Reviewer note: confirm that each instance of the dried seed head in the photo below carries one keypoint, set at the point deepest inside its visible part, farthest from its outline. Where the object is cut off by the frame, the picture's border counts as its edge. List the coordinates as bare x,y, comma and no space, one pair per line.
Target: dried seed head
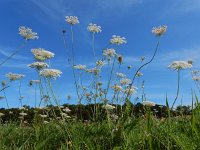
120,59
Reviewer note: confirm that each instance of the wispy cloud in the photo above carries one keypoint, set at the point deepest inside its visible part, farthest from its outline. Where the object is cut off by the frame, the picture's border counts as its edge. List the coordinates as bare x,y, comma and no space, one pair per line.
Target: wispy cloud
6,52
61,8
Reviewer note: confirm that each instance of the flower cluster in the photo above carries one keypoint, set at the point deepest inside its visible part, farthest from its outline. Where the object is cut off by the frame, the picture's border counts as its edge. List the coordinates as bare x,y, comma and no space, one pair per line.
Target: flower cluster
130,90
180,65
94,70
108,107
14,76
50,73
116,88
121,75
159,31
1,114
118,40
125,81
109,52
100,63
80,67
196,78
94,28
27,33
139,74
148,103
72,20
42,54
38,65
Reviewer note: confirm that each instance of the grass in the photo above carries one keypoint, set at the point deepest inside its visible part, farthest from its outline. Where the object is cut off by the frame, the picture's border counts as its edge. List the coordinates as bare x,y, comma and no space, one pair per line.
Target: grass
127,133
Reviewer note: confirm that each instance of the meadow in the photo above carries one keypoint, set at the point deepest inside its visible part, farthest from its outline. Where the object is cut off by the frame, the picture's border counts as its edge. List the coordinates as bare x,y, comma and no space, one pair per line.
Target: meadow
109,113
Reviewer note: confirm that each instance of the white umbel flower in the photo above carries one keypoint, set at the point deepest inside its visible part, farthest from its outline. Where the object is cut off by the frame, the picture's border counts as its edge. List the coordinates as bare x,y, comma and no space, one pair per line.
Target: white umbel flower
94,71
159,31
94,28
72,20
14,76
1,114
109,52
23,114
100,63
139,74
196,78
38,65
50,73
43,116
179,65
80,67
116,88
27,33
129,91
108,107
118,40
42,54
125,81
148,103
121,75
67,110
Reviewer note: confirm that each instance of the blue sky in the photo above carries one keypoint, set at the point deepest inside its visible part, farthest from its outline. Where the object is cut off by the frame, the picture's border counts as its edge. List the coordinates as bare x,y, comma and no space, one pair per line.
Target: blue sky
132,19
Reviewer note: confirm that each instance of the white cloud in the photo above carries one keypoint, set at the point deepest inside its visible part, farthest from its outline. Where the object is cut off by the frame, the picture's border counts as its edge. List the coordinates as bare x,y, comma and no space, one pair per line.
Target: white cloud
7,52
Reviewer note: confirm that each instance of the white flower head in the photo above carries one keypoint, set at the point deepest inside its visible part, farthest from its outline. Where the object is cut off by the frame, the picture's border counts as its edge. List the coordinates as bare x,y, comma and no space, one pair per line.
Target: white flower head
100,63
159,31
72,20
195,72
139,74
14,76
27,33
23,114
196,78
121,75
130,91
125,81
116,88
148,103
94,28
118,40
80,67
43,116
50,73
42,54
94,70
38,65
1,114
108,107
67,110
109,52
179,65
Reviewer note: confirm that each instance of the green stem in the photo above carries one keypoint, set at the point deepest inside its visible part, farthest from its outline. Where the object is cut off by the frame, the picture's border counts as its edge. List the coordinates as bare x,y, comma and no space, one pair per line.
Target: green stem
20,96
93,45
145,64
74,75
6,98
178,88
109,81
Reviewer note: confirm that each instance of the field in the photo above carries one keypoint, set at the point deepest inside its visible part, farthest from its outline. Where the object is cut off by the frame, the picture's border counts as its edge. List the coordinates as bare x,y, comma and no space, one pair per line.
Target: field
111,111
